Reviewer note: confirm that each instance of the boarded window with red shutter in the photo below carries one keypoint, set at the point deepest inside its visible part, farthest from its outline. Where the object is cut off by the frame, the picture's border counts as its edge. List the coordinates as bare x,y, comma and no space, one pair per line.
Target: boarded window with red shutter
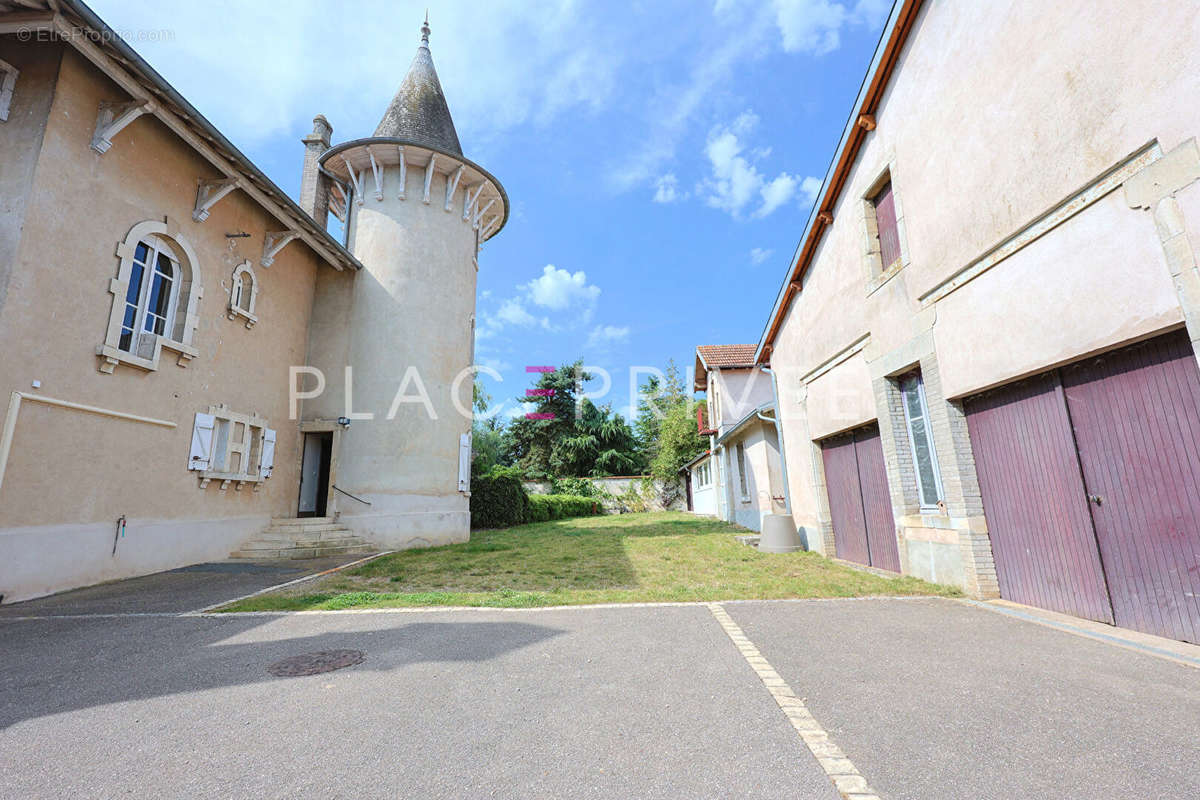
885,221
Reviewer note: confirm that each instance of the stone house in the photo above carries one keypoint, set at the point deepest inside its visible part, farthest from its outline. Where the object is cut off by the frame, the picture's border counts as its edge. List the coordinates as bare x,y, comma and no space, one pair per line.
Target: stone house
740,478
169,316
984,346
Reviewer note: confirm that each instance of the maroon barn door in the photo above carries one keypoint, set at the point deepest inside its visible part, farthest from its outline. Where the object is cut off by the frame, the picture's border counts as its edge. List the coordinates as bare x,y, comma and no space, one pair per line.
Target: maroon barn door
1136,415
1091,487
1034,501
845,500
864,530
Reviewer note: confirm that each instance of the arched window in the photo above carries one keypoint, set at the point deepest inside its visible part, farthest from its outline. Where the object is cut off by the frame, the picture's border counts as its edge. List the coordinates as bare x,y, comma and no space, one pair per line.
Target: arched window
156,296
243,294
150,298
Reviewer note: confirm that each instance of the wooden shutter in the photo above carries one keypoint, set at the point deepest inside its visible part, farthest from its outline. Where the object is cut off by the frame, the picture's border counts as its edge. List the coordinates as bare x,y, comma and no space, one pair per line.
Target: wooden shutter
202,439
266,461
885,221
464,463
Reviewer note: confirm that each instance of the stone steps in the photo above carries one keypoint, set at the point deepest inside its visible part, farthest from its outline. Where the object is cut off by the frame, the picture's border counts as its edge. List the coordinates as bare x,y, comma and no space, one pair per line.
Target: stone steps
309,537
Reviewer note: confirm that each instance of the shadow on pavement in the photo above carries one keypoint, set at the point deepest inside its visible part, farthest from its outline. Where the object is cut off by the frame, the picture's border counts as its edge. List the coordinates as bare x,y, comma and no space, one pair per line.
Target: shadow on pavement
57,666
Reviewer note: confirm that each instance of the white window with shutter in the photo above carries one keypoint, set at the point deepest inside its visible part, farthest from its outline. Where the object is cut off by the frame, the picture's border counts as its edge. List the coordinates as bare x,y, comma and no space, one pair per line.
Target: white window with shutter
202,441
464,463
267,462
231,447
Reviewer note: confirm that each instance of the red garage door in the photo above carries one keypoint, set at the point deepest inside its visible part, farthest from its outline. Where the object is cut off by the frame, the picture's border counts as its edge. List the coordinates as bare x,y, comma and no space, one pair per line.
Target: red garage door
1130,459
864,530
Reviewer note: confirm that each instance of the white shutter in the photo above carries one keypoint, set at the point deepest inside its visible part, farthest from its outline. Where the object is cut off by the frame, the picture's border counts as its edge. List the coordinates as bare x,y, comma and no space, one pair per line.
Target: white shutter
145,345
267,462
202,439
464,463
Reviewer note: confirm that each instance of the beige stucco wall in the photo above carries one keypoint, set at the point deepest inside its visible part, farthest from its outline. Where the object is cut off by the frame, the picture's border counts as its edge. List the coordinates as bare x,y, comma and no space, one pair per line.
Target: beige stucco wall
763,481
840,398
997,113
21,141
71,475
739,391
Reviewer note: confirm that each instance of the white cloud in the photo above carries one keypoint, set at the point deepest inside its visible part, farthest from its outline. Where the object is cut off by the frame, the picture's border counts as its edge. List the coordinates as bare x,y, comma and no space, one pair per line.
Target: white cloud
607,334
736,182
501,64
809,188
514,313
673,107
559,289
758,255
813,26
777,192
497,364
666,189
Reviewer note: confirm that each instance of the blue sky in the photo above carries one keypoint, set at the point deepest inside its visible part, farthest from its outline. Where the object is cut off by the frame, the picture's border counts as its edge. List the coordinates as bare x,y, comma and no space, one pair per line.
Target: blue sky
661,157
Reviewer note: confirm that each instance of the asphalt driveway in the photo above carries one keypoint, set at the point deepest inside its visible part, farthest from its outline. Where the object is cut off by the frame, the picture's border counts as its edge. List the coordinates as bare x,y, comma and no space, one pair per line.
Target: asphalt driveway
928,698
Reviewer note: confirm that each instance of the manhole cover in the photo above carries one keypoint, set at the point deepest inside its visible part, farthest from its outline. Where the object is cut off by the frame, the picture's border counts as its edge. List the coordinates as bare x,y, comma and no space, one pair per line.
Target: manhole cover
316,663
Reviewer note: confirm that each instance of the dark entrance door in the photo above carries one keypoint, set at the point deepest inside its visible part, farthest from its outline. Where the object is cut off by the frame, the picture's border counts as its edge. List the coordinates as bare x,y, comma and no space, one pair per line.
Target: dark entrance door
1091,487
314,474
864,530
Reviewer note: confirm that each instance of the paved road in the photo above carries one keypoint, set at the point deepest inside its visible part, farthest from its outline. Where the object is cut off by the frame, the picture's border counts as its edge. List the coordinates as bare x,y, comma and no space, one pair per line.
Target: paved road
929,698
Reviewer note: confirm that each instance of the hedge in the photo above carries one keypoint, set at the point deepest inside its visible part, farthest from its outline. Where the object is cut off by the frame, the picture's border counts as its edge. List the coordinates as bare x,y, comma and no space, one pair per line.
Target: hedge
545,507
498,500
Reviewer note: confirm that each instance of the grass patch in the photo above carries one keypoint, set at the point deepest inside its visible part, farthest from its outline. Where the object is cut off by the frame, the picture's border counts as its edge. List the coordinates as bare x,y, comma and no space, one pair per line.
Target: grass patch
666,556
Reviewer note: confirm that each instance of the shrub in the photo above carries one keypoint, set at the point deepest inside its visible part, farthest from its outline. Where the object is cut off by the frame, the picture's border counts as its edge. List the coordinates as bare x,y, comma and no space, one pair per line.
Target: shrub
579,487
545,507
498,500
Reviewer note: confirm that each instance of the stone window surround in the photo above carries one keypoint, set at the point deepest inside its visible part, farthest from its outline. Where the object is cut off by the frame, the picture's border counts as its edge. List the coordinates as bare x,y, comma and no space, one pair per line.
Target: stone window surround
8,84
190,293
876,275
249,449
236,287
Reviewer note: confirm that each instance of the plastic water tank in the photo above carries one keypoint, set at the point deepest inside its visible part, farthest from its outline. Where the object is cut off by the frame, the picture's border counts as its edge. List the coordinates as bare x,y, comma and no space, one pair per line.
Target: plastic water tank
779,535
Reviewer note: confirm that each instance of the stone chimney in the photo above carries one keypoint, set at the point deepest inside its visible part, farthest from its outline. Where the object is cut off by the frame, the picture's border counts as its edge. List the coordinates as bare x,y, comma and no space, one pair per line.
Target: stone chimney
314,190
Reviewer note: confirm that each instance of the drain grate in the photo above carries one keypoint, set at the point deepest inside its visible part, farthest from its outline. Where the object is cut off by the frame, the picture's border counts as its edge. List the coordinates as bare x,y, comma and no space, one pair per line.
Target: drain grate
316,663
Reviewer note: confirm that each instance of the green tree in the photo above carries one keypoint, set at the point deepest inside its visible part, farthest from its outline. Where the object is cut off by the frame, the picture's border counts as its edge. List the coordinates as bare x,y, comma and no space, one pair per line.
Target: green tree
679,441
564,436
657,396
487,434
601,443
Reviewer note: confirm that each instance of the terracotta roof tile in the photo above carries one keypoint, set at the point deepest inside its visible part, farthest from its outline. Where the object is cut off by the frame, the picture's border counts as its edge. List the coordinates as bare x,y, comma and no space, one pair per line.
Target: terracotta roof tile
723,356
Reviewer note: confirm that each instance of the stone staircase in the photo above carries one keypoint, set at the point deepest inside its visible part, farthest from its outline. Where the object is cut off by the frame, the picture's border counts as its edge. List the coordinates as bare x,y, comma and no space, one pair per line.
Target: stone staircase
308,537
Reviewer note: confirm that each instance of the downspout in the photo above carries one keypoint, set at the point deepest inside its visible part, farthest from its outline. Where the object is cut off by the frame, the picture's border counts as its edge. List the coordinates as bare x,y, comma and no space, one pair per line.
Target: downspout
787,490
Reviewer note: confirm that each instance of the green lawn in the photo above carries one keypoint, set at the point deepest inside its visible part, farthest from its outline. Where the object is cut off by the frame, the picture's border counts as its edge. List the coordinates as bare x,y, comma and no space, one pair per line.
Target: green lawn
671,556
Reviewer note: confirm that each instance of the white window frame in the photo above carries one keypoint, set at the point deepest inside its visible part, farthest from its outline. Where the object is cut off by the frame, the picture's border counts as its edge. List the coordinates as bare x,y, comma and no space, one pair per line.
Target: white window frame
183,310
155,246
703,473
237,294
8,85
912,443
211,454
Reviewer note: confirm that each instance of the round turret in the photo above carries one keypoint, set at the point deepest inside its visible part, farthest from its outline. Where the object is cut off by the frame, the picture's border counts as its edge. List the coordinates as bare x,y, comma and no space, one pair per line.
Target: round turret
416,211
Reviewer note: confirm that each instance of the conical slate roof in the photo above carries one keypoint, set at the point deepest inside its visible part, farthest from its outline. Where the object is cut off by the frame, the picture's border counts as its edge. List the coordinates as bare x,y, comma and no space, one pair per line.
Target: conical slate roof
418,112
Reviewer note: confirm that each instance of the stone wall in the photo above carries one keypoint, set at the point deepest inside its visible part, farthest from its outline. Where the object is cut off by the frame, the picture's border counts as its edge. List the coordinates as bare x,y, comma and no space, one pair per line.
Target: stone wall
618,485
